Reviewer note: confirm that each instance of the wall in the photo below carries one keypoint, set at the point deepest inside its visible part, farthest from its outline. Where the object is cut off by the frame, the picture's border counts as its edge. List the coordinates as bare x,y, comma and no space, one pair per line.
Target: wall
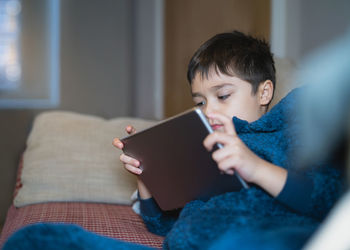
96,55
301,26
321,22
189,23
96,73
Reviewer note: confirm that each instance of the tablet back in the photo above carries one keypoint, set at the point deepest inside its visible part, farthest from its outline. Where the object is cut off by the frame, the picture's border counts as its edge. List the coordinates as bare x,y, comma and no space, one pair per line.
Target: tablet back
176,166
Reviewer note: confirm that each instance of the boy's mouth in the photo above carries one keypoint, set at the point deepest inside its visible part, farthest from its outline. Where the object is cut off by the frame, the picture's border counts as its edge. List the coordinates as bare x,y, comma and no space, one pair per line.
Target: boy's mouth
216,126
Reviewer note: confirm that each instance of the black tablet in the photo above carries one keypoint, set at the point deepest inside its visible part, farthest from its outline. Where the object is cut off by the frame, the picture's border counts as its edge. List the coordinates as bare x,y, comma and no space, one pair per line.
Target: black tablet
177,168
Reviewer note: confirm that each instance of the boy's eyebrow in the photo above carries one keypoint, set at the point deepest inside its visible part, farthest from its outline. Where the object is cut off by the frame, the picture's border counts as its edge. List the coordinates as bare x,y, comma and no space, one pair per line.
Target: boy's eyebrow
214,88
219,86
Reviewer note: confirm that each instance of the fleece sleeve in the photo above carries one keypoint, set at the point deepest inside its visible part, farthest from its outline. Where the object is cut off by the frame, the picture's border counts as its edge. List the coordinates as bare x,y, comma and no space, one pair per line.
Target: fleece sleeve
157,221
296,193
312,193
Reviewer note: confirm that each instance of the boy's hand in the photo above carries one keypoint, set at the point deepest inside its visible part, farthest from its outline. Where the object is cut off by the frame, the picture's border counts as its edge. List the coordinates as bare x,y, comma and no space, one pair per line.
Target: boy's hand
132,165
234,155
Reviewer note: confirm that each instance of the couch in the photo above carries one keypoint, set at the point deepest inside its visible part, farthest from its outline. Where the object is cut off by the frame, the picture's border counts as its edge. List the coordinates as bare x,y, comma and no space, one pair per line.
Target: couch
71,173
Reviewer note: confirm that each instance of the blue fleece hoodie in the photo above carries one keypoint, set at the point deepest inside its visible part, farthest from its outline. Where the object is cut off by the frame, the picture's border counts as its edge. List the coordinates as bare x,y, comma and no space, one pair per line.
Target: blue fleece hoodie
302,204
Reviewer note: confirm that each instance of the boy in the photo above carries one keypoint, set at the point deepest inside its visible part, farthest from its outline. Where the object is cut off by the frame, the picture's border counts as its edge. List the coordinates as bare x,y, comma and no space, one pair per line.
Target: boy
223,90
232,76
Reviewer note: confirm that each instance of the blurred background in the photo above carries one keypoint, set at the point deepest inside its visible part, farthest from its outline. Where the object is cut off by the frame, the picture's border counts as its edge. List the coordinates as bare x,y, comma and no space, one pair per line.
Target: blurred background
115,58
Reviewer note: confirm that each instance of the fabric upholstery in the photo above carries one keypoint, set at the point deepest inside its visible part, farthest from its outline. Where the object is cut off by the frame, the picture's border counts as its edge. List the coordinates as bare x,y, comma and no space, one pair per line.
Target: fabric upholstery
70,157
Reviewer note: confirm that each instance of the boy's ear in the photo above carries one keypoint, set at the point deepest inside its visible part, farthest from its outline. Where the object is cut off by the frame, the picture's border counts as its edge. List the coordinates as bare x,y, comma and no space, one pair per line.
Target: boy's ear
266,92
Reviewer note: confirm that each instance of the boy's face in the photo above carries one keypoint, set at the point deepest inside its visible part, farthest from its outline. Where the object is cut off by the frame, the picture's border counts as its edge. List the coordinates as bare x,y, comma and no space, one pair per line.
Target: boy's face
228,95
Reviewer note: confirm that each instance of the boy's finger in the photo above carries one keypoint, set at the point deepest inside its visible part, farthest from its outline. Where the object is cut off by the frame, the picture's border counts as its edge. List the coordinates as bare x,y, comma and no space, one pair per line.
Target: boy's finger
133,169
221,154
130,129
129,160
117,143
226,121
216,137
226,164
229,171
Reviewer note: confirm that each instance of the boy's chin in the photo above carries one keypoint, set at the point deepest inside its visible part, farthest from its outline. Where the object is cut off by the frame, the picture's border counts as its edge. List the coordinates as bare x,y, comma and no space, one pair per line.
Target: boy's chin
221,129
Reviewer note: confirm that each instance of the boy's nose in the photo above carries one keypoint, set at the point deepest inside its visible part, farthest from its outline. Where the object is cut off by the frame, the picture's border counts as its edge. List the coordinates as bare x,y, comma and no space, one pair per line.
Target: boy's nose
205,111
208,109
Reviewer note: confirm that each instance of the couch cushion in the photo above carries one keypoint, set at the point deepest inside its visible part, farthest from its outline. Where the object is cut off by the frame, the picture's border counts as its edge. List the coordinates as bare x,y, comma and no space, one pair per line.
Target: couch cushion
70,157
115,221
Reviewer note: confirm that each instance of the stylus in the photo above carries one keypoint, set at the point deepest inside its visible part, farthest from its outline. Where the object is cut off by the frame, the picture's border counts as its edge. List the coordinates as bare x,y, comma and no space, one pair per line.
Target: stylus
206,124
243,182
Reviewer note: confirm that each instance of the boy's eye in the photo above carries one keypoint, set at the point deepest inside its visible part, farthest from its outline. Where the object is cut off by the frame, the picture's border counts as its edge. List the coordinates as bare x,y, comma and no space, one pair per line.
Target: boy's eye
223,97
199,104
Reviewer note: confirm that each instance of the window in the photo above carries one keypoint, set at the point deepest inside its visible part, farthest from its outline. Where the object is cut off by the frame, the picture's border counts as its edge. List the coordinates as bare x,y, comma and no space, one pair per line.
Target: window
29,54
10,62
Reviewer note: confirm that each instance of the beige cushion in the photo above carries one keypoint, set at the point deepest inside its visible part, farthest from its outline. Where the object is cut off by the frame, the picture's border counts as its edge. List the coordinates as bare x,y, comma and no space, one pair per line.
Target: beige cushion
70,157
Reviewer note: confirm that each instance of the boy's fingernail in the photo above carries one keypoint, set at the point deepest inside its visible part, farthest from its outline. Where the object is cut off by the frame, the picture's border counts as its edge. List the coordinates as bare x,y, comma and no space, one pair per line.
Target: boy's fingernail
117,142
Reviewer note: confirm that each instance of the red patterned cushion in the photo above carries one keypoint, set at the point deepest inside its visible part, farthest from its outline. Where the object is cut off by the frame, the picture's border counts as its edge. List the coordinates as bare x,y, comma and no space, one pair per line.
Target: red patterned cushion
116,221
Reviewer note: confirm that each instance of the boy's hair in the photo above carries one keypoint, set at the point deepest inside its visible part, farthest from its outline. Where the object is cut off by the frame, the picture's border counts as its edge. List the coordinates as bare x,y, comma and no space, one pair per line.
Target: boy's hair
237,54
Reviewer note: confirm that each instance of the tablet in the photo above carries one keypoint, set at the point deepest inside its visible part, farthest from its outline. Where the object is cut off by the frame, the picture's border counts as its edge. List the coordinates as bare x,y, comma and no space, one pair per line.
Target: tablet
176,166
